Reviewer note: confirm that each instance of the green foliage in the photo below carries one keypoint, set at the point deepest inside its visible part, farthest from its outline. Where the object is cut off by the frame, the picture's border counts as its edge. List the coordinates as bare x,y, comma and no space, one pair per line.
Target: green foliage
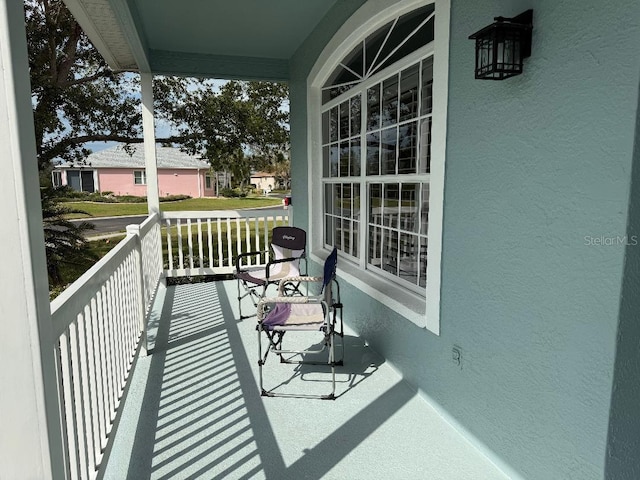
71,272
64,241
65,194
232,193
174,198
240,128
77,99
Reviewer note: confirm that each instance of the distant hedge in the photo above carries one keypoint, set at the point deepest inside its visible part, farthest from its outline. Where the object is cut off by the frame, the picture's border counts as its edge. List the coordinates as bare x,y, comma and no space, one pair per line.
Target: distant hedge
69,195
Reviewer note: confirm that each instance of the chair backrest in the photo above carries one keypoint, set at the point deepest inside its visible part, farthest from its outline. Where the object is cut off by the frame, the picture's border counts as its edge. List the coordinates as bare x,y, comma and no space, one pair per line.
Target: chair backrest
291,238
330,265
288,242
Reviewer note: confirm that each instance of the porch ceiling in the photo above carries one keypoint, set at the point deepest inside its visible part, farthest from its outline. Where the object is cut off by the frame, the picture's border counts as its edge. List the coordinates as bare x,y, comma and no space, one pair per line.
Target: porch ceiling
248,39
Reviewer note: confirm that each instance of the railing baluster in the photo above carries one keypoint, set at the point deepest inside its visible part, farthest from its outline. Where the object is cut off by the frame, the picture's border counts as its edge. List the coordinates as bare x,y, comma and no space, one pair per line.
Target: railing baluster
103,373
180,255
257,235
210,240
169,249
220,261
127,289
229,246
200,246
113,358
190,243
247,234
92,353
68,396
87,386
120,335
266,238
78,400
239,239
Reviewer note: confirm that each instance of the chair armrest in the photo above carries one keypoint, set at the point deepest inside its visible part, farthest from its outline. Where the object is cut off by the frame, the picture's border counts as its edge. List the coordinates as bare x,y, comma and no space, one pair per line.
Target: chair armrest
290,300
247,254
314,299
301,278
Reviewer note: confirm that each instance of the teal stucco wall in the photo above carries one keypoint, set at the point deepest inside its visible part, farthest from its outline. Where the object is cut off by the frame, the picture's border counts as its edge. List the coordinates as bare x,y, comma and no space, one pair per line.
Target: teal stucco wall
623,452
537,189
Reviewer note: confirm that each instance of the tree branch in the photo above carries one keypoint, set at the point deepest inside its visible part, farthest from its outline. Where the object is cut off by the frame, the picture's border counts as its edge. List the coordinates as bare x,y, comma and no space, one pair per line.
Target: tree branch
91,78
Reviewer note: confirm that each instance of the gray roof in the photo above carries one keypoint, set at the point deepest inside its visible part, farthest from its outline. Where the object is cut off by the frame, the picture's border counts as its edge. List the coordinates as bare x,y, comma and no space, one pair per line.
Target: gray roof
167,157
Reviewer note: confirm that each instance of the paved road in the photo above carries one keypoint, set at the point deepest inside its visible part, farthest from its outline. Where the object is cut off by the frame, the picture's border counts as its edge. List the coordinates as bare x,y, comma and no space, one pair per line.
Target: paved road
110,225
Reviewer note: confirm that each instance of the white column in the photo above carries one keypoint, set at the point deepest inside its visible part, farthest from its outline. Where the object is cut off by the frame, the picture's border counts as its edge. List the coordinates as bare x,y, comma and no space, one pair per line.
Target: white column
148,130
30,436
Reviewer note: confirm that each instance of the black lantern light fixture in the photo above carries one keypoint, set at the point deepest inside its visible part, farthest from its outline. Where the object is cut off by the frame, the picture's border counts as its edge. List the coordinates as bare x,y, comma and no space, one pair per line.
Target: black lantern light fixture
502,46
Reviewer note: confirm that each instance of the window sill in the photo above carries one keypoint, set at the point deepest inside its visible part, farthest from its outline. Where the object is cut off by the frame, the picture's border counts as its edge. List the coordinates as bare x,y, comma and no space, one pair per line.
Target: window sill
406,303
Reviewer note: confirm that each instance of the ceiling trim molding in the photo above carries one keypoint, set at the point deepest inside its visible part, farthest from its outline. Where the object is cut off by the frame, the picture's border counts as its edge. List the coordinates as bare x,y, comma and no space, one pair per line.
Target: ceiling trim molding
128,20
226,67
99,23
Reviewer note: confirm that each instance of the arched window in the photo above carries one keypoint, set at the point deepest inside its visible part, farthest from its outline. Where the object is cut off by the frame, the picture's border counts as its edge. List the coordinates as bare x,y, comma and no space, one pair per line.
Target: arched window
377,126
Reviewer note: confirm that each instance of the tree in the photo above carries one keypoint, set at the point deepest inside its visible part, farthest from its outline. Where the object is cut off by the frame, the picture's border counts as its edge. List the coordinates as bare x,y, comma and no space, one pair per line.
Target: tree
241,127
282,170
78,99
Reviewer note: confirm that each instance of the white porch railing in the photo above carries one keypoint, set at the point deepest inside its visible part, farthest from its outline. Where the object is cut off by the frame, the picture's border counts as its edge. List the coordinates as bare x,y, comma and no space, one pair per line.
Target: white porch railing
206,243
99,323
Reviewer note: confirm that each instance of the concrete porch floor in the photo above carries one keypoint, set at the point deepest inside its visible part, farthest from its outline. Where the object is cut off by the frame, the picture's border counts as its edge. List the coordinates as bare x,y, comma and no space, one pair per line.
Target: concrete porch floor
194,410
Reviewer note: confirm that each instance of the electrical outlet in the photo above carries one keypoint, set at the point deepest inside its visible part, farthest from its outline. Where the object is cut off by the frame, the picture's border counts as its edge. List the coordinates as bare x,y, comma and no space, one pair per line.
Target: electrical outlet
456,355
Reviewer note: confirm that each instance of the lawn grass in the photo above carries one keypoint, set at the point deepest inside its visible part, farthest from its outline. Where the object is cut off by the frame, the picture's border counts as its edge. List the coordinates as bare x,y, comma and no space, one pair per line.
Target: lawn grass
101,247
96,209
214,254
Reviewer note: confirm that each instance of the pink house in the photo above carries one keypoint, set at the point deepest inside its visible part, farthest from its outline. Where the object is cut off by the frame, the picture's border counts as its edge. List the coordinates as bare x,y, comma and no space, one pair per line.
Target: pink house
123,173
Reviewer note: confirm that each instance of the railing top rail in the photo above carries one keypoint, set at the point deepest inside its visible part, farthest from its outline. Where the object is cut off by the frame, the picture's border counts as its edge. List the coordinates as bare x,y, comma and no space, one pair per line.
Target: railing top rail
69,303
147,225
214,214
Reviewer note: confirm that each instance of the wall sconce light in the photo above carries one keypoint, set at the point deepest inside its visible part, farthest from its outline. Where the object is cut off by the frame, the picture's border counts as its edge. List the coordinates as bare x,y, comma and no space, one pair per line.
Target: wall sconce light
501,47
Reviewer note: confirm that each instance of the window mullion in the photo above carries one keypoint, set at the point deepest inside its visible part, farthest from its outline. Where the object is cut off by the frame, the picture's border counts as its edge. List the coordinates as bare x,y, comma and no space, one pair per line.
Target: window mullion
363,226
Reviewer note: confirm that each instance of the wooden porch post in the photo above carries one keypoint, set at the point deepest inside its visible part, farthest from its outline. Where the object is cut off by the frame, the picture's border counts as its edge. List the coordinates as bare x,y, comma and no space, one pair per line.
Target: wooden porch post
148,130
30,432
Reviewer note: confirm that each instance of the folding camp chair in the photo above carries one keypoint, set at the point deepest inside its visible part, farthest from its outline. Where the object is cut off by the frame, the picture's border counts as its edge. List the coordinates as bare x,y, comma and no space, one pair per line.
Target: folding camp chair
284,314
288,249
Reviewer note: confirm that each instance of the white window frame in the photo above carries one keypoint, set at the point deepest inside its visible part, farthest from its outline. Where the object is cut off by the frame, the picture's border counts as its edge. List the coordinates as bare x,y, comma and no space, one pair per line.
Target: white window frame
424,311
143,177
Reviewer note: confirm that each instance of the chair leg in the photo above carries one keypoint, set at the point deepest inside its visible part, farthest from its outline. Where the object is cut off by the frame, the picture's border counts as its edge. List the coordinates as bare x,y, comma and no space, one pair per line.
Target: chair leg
260,360
239,300
332,395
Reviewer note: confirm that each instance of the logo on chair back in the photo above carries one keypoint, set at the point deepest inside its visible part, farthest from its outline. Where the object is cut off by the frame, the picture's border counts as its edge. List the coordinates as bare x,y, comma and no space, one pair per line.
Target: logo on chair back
288,237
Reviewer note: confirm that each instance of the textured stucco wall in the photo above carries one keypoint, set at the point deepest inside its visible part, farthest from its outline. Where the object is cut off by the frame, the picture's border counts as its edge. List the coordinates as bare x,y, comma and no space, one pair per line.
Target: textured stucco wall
301,64
538,172
623,452
170,182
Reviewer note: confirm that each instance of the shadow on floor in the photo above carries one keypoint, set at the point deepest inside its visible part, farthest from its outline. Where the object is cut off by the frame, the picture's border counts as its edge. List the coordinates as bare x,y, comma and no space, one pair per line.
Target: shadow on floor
202,415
